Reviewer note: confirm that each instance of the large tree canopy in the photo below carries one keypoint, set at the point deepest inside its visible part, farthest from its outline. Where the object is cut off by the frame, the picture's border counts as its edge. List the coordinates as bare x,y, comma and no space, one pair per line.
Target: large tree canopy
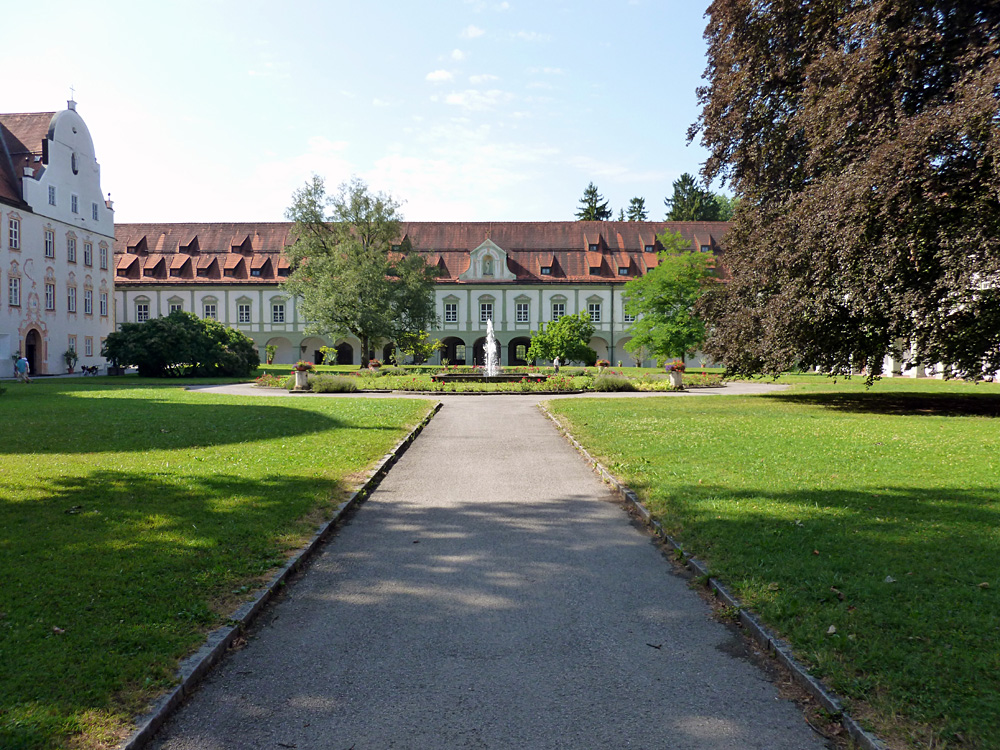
350,278
862,138
664,299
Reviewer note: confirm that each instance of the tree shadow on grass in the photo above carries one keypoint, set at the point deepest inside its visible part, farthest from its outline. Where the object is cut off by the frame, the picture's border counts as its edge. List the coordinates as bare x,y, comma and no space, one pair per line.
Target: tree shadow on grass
897,571
109,578
900,404
60,421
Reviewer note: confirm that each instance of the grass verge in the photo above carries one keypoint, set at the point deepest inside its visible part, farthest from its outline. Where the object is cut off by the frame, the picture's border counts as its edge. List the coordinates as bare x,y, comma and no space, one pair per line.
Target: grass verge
864,526
134,518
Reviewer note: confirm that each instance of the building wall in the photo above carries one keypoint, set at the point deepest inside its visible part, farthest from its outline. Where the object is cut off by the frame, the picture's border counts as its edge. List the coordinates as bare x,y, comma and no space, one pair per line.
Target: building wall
295,343
45,271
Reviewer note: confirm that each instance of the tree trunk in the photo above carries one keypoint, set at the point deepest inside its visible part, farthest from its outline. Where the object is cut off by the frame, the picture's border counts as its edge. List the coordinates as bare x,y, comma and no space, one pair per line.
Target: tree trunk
365,345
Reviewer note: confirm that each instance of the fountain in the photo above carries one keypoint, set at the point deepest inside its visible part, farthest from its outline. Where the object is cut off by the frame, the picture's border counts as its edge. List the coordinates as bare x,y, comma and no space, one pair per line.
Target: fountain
491,366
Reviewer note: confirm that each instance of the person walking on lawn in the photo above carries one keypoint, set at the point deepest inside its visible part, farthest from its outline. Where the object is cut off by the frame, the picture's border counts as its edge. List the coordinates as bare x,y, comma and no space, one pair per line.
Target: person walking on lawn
21,370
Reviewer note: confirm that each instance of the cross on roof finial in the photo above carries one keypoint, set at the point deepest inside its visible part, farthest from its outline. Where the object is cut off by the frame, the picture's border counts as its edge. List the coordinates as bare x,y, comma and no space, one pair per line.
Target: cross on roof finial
72,92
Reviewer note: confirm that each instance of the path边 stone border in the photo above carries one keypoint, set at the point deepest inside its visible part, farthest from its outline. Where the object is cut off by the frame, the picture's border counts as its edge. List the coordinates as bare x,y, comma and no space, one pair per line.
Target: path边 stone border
194,668
773,645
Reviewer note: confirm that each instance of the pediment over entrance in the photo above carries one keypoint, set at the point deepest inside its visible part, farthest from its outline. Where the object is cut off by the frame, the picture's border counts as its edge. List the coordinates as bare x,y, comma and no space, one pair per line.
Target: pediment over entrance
489,263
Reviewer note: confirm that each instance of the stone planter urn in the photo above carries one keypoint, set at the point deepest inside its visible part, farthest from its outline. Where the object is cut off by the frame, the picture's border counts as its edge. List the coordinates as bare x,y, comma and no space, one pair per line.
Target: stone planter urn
301,380
676,379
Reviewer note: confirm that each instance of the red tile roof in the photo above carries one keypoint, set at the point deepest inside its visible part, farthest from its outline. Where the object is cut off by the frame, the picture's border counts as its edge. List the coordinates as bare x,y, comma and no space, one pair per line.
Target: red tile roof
562,246
22,135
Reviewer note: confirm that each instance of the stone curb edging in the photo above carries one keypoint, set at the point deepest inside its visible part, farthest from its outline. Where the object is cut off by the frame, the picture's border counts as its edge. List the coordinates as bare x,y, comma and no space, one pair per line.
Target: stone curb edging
773,645
194,668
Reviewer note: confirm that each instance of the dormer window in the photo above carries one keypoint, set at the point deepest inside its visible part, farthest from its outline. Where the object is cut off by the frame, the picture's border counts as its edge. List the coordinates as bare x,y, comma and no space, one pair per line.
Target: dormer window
593,248
595,270
648,248
546,270
255,272
706,248
623,270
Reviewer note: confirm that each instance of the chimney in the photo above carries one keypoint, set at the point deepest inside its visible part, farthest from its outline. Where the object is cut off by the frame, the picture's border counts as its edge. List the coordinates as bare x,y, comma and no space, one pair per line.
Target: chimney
110,203
29,172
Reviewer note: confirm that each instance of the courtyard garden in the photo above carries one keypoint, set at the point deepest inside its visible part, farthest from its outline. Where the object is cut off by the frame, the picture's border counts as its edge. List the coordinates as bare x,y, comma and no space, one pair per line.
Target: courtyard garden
421,378
134,517
862,525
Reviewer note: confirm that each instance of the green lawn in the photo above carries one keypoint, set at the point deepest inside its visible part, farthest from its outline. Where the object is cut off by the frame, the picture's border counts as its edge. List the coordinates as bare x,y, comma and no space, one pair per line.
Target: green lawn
874,512
134,517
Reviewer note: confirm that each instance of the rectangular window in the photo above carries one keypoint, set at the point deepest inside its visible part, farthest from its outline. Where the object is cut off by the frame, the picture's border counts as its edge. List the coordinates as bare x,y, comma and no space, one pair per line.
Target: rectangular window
648,248
210,313
595,270
594,308
88,302
88,254
71,299
558,310
52,195
546,270
142,312
623,270
485,311
628,317
88,346
14,233
14,292
93,211
522,313
243,313
103,251
74,204
72,343
71,249
450,312
278,312
176,307
104,304
593,248
50,243
706,248
50,296
460,352
521,352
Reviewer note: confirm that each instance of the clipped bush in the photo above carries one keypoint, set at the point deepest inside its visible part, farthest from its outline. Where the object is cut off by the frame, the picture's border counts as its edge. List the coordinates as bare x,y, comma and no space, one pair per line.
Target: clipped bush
612,381
333,384
182,344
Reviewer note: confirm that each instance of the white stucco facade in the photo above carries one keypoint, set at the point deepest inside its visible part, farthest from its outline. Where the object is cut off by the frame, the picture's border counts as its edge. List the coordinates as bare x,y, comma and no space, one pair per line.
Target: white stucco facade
56,254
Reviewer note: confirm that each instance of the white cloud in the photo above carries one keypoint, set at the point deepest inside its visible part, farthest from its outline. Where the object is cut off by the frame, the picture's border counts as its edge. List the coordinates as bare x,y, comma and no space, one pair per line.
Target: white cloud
376,102
471,32
546,71
484,78
614,171
478,101
439,76
457,55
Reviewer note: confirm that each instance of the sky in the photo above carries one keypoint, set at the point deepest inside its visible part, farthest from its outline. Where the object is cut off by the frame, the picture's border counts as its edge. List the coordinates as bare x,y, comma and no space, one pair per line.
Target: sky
462,110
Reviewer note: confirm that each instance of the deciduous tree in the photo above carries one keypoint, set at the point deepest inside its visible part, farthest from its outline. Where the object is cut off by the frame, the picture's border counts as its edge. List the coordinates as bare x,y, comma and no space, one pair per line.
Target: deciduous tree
345,270
567,338
863,139
664,301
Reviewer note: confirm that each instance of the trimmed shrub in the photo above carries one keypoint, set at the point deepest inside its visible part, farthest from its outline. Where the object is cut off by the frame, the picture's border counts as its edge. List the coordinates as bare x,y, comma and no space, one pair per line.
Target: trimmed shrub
612,381
333,384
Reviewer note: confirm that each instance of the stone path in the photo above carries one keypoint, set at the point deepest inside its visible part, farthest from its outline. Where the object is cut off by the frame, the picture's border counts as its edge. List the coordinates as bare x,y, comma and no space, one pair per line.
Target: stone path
489,595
